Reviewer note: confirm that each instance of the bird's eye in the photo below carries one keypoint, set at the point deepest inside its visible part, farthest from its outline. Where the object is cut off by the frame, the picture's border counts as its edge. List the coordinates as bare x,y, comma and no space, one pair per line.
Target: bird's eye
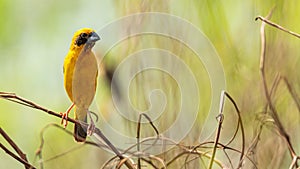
84,35
81,39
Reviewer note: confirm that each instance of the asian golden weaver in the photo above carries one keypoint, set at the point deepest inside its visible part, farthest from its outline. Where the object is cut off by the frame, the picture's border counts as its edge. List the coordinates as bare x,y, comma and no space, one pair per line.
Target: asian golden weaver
80,78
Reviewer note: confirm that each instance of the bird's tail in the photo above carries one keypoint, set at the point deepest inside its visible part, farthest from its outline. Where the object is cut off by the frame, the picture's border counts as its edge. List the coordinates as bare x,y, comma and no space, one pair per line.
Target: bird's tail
79,132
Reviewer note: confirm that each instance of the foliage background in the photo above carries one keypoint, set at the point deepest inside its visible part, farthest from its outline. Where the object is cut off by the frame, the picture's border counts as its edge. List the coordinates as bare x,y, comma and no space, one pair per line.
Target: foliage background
35,36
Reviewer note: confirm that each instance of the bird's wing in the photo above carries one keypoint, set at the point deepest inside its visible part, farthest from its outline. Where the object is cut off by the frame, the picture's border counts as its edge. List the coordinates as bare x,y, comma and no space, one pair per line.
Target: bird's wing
84,79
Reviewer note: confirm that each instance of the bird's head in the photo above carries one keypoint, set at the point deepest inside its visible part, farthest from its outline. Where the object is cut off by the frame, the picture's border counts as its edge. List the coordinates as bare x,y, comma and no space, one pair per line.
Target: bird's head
84,37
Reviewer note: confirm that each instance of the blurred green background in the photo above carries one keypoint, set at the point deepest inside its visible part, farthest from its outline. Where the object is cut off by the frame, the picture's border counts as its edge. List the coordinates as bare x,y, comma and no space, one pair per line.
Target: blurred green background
35,37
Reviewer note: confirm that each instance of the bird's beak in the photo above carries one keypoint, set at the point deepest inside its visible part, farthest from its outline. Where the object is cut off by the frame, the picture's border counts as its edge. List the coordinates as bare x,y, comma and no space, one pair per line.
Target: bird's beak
94,37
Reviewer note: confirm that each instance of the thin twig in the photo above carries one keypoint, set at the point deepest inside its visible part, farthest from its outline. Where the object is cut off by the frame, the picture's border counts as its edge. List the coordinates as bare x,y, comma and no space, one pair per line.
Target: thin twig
294,162
138,134
14,146
13,97
42,141
265,20
255,140
274,113
292,92
218,133
227,156
221,116
290,88
242,128
199,153
267,95
22,158
223,147
27,165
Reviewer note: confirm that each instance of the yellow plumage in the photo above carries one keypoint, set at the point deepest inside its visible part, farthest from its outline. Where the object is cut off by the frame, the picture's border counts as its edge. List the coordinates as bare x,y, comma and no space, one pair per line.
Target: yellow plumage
80,76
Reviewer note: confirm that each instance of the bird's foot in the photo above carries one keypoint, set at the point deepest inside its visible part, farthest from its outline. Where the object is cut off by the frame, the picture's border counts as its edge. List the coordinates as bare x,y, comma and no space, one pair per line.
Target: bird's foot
91,127
65,115
64,119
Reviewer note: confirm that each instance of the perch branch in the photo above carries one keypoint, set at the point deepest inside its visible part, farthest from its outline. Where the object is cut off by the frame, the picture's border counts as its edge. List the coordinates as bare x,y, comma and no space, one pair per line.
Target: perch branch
14,98
22,159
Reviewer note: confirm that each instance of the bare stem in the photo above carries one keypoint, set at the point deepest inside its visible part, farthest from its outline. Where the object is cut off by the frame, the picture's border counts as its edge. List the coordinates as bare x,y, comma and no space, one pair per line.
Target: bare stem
14,98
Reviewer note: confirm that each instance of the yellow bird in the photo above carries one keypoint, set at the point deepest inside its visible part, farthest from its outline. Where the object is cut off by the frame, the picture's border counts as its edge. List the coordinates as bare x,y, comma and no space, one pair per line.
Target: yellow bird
80,79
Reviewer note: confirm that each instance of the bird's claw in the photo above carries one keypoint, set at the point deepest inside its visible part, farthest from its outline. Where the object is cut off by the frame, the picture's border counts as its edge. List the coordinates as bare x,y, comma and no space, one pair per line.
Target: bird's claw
64,119
65,115
91,129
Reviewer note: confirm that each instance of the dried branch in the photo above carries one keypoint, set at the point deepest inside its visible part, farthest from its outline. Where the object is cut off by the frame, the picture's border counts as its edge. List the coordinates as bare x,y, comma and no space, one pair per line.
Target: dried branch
242,128
27,165
218,133
274,113
265,20
14,146
294,162
14,98
138,134
22,159
292,92
220,121
42,141
224,147
97,133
